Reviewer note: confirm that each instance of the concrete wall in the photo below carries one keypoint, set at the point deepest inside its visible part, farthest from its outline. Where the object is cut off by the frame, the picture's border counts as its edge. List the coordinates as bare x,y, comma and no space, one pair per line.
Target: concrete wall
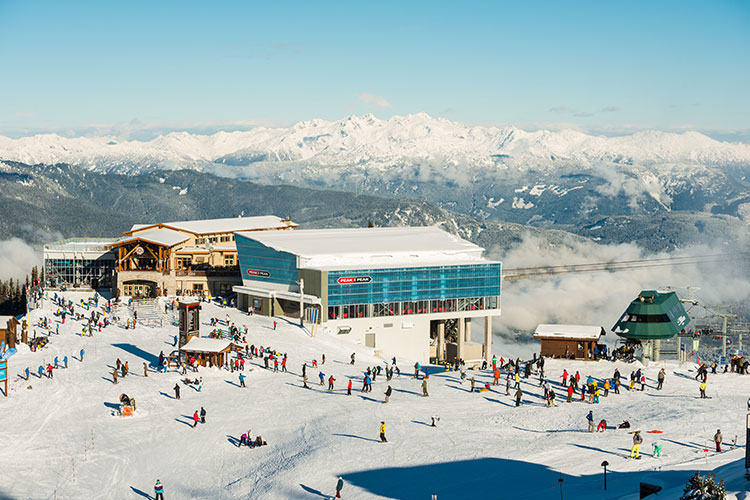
407,336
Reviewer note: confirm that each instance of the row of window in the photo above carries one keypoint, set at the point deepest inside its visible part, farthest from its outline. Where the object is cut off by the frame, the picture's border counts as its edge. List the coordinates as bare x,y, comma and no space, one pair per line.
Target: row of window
412,307
186,262
214,239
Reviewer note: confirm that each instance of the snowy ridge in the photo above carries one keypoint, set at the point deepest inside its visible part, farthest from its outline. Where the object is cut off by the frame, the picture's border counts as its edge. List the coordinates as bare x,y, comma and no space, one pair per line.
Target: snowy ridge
366,139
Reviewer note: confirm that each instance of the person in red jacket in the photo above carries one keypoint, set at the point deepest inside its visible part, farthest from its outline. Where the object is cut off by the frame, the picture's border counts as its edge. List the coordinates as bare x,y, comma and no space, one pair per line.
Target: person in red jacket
565,378
349,388
331,380
196,419
570,393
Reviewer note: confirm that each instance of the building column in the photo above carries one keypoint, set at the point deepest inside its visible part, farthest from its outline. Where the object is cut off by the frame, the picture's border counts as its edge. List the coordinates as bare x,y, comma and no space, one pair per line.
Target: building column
441,340
467,330
461,326
488,338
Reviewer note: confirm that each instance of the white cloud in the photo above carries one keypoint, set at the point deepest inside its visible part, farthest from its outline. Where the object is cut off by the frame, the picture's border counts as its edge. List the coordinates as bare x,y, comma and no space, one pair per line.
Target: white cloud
17,258
374,100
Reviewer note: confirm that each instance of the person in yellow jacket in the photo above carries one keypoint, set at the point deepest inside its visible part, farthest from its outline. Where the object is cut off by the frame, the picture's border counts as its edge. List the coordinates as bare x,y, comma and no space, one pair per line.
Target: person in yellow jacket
382,433
607,386
703,390
518,380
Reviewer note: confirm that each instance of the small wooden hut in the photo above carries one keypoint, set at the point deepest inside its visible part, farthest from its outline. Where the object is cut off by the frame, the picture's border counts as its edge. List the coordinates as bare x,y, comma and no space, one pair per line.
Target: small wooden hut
569,341
204,350
8,330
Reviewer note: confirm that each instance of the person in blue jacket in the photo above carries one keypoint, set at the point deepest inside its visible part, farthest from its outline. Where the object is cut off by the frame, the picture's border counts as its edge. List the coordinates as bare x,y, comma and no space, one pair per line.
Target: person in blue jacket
158,490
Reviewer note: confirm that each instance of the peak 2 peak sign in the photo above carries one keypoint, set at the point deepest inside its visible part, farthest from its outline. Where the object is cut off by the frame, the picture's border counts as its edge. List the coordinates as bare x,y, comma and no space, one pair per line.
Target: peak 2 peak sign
256,272
350,280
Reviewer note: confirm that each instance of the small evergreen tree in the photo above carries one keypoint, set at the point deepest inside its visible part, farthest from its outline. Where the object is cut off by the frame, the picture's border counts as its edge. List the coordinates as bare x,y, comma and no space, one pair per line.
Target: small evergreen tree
370,224
700,488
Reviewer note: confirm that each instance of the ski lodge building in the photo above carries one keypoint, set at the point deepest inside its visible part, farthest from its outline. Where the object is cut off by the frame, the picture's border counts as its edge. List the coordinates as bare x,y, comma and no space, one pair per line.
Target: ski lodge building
172,258
404,291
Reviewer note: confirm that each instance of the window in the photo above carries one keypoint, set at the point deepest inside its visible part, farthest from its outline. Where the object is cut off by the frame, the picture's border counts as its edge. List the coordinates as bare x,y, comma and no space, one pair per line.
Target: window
183,262
200,241
257,305
355,311
389,309
212,239
334,312
197,287
199,259
229,260
224,238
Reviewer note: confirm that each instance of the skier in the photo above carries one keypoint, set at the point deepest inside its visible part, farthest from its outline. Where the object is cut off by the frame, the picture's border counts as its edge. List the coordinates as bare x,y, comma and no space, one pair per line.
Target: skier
519,395
242,380
349,388
81,353
158,491
331,380
424,387
718,438
339,487
196,419
637,441
382,433
564,377
590,418
176,391
304,382
322,377
323,361
203,415
27,373
660,379
388,393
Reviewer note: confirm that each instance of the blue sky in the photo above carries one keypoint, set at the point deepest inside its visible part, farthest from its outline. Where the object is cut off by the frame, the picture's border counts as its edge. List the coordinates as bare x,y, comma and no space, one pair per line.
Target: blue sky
605,67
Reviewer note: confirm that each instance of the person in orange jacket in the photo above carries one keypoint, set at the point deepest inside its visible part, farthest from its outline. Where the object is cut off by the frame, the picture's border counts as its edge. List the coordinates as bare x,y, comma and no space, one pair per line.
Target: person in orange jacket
349,388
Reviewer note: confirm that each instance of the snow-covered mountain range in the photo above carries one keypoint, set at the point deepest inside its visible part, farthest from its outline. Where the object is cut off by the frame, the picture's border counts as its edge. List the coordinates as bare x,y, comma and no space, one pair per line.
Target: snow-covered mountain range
365,139
567,179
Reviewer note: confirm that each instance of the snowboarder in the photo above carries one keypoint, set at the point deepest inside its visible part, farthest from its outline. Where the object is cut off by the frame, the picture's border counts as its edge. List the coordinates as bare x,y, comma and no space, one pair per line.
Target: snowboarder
718,438
388,394
176,391
637,441
602,426
590,418
203,415
158,491
382,433
339,487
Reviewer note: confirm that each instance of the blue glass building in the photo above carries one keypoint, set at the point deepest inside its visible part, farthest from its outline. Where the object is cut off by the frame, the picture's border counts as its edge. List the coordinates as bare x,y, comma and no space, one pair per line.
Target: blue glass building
365,282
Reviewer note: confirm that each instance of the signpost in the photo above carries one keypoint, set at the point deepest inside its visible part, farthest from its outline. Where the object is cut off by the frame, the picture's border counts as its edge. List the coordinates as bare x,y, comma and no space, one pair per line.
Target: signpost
4,374
605,464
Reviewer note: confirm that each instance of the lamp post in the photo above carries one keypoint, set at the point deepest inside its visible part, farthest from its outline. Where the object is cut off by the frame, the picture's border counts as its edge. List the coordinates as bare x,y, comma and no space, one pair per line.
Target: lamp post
560,481
747,442
605,464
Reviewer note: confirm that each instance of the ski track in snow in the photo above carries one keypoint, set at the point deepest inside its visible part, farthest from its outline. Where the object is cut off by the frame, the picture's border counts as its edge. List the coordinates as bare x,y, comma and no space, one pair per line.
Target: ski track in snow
64,441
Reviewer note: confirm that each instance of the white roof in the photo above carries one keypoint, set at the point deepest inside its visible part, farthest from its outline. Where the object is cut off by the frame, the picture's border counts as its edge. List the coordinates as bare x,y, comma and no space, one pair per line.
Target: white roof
227,225
580,332
198,344
4,321
165,237
193,250
371,247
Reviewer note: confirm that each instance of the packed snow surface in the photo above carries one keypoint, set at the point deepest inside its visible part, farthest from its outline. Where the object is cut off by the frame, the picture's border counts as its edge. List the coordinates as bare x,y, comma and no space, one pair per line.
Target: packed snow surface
62,437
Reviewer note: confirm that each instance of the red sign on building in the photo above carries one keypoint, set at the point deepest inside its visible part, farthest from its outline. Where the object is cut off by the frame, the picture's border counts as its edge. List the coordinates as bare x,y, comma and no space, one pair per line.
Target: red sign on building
256,272
350,280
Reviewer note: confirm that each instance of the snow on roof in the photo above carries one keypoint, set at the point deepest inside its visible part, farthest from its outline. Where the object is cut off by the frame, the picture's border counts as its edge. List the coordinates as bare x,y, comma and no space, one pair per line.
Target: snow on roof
193,250
4,321
198,344
371,247
580,332
165,237
227,225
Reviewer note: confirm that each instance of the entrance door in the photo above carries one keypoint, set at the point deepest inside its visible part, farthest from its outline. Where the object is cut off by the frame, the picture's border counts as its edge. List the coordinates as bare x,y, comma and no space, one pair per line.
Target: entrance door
369,339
